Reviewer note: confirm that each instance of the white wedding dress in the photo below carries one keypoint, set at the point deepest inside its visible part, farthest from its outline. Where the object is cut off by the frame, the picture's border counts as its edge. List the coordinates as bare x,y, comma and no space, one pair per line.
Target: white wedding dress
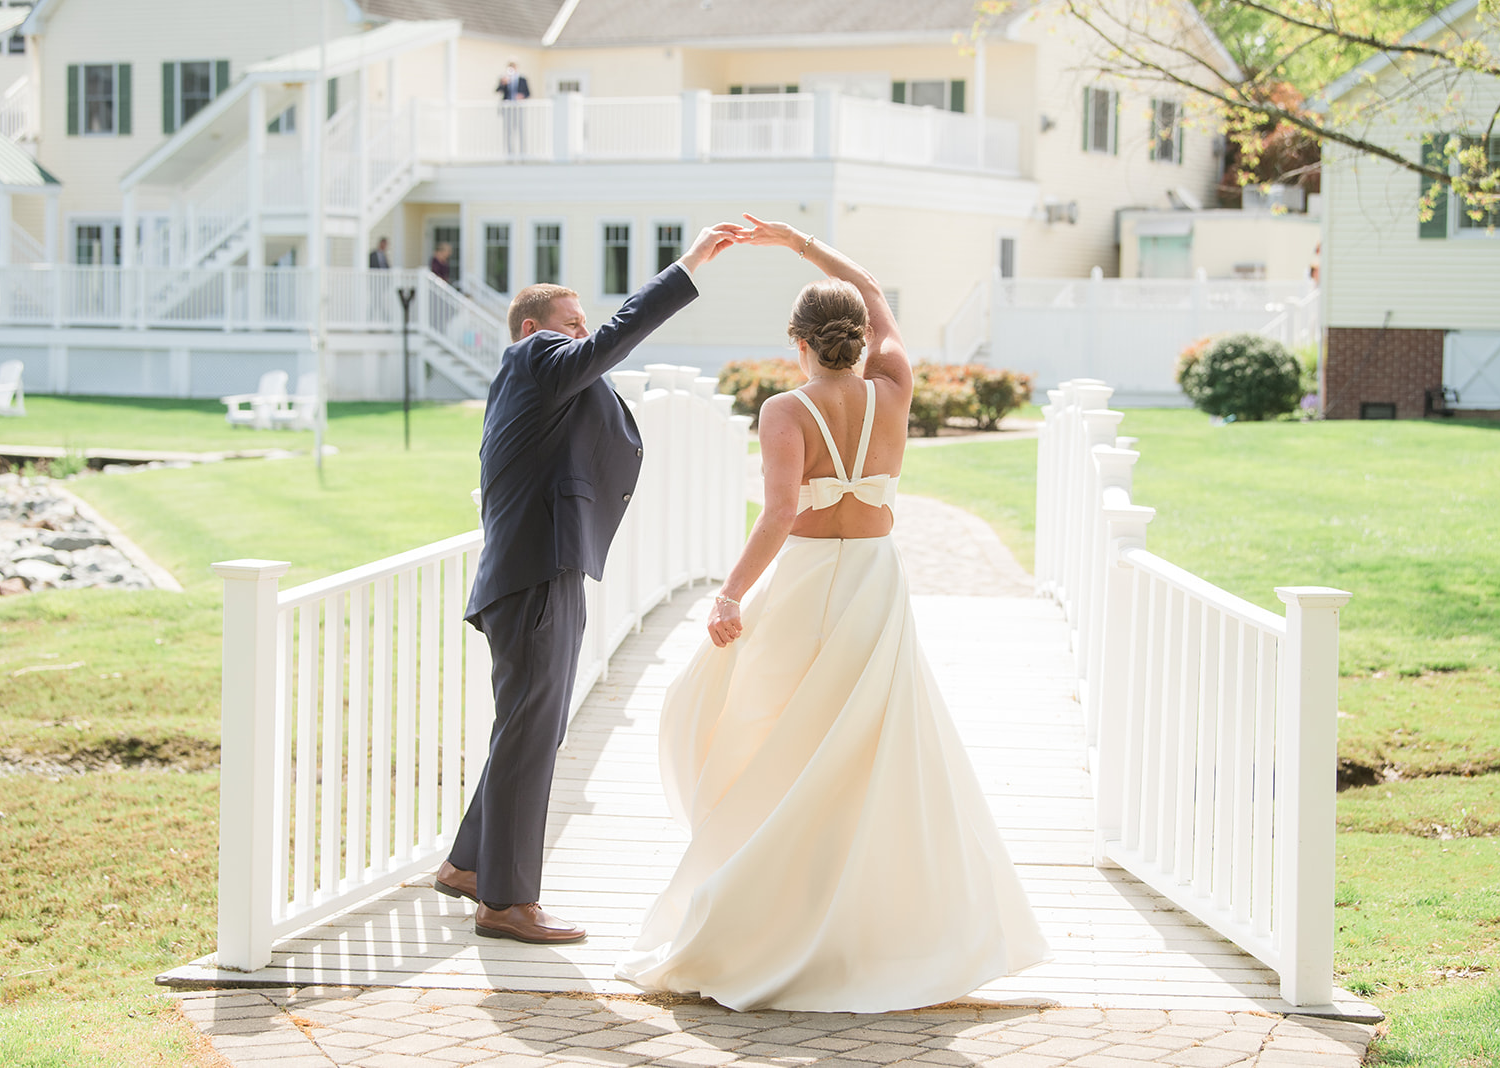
843,857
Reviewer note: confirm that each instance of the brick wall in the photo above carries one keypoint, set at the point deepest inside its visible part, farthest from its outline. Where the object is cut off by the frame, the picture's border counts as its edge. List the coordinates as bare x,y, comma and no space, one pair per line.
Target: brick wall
1382,366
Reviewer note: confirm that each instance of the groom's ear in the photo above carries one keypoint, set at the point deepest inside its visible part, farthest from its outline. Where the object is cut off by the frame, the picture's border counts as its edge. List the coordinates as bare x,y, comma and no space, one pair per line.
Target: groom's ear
529,327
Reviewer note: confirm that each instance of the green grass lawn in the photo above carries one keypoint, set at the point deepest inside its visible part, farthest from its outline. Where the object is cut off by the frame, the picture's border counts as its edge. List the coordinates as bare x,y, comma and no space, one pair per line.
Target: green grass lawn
1401,514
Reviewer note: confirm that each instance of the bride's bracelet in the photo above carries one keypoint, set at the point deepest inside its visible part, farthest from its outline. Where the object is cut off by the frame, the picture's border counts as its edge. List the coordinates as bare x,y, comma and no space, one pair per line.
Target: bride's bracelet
726,600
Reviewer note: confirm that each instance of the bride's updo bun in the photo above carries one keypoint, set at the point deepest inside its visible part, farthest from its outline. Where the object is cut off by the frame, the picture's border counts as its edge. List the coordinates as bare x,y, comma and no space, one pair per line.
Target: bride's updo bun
831,317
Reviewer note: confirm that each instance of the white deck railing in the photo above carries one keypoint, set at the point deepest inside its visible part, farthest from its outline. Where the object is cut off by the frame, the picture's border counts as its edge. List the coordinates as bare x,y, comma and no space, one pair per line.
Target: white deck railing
1211,722
198,298
357,709
18,110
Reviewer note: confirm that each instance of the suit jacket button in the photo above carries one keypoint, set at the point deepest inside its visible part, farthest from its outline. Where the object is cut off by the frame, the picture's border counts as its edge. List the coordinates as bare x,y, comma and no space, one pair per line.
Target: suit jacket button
626,498
638,454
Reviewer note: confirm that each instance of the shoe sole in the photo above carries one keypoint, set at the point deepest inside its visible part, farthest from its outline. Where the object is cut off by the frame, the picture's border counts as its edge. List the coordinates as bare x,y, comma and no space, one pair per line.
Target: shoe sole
490,932
453,891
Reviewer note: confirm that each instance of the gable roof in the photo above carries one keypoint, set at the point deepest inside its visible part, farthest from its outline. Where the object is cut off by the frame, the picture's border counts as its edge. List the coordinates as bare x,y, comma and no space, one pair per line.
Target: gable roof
1443,20
19,173
514,19
596,23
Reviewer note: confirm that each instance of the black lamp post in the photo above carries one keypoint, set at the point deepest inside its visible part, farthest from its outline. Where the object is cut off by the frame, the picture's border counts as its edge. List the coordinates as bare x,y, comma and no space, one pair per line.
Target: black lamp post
406,296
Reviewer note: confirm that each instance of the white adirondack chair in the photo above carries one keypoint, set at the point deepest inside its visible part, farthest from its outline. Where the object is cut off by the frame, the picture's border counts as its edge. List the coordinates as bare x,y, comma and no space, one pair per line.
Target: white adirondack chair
255,409
12,399
300,410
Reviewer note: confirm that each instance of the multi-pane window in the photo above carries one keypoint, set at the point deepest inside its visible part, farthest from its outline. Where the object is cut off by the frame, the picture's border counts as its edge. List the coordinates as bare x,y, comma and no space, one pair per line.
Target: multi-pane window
616,259
497,256
88,246
98,99
1481,217
189,87
547,245
668,245
940,93
1100,120
285,123
197,87
1166,131
1452,215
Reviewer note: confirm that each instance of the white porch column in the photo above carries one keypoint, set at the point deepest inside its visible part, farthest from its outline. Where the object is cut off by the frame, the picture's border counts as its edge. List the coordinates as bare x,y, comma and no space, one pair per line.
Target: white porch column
255,157
390,86
127,228
5,224
697,120
450,93
246,777
362,174
131,310
51,226
1307,770
825,124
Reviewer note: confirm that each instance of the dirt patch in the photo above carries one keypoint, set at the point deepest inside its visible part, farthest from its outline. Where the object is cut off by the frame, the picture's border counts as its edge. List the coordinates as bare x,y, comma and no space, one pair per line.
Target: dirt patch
119,754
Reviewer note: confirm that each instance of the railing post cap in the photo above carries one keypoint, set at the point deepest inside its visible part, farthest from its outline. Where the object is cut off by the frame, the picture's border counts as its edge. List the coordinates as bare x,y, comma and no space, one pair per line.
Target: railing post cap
250,569
1128,513
703,386
1313,596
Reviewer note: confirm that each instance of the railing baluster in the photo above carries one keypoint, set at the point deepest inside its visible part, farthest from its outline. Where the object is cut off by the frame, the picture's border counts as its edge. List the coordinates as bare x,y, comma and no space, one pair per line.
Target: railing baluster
305,817
427,727
330,832
1152,730
406,713
1208,740
380,729
286,731
1135,724
453,676
1225,763
1244,775
355,862
1188,780
1265,799
479,703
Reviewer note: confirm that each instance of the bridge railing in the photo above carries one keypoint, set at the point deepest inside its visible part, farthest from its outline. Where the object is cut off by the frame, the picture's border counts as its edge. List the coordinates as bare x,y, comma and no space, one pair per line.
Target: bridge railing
1211,722
357,709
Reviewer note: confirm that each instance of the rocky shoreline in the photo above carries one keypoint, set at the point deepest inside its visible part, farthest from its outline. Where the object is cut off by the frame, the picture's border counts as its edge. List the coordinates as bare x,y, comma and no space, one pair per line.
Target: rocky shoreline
49,539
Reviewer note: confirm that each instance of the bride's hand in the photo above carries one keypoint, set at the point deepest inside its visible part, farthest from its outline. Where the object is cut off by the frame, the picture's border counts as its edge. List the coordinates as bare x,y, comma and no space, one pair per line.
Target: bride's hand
760,232
724,624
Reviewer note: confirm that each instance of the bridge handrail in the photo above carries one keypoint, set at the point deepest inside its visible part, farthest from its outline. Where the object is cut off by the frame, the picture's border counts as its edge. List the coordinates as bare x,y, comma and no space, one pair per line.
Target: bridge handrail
335,785
1211,723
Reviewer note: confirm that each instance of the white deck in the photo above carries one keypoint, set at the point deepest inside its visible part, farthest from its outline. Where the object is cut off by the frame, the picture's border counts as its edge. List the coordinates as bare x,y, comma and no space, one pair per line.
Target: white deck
1004,667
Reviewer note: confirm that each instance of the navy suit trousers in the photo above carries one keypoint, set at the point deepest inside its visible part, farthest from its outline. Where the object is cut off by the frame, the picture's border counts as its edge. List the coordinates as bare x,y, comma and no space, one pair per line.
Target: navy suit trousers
535,635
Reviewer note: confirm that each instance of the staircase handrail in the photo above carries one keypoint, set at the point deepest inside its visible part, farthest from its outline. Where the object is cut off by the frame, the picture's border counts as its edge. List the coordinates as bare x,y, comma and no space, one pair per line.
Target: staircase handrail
18,110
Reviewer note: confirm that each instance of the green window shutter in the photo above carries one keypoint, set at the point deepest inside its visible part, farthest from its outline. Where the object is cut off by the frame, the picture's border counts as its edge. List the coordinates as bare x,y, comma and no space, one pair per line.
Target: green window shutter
122,99
1155,138
1178,134
898,92
1088,113
169,98
956,95
736,90
75,101
791,88
221,76
333,96
1432,156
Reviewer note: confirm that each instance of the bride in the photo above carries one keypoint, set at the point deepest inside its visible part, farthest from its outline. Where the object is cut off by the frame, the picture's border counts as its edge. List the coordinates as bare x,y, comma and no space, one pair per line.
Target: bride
843,857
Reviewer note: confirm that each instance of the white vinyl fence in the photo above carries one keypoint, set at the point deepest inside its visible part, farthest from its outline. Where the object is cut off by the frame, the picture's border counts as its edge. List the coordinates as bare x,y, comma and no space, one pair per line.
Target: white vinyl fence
1211,722
1129,331
357,709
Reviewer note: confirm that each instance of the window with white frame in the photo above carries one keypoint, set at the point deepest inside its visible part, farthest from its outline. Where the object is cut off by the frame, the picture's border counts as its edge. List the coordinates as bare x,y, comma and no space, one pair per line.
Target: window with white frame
1101,109
497,256
188,87
285,123
546,238
668,245
942,93
99,99
616,265
1166,131
1451,215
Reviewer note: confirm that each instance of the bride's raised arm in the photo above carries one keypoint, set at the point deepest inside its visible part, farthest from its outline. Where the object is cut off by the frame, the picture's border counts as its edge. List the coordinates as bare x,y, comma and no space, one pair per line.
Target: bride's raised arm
886,356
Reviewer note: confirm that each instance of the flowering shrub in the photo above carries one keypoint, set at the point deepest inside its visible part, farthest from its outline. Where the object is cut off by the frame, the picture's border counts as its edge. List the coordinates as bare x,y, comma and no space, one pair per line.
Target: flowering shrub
940,392
1246,376
1188,358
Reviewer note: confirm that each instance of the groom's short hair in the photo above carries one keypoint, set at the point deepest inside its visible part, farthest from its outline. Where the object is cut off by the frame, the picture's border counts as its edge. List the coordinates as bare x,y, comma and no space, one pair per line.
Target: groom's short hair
532,303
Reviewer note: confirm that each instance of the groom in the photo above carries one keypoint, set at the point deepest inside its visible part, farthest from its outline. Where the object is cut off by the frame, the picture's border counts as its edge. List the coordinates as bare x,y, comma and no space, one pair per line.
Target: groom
558,462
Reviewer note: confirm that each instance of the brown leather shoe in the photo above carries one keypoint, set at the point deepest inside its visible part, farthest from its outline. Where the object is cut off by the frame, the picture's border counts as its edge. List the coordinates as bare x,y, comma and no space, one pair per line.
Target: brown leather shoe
455,882
525,923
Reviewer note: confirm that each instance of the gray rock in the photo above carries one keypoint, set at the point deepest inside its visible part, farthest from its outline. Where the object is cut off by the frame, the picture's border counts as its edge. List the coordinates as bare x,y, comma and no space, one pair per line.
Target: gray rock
72,540
36,552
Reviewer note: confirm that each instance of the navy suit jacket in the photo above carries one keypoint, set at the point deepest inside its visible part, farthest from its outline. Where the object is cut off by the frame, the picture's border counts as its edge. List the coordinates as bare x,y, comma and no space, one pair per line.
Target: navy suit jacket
561,453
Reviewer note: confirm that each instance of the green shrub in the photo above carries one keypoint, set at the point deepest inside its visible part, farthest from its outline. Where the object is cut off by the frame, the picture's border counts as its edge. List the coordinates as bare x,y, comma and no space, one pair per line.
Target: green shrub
1244,376
753,382
941,392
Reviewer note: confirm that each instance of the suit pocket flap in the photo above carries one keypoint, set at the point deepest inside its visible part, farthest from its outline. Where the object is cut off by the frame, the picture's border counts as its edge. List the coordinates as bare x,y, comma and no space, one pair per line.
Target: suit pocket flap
575,487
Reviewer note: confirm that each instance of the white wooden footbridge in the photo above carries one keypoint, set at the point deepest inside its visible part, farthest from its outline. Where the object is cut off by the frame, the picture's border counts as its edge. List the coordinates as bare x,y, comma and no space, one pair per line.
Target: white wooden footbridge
1158,754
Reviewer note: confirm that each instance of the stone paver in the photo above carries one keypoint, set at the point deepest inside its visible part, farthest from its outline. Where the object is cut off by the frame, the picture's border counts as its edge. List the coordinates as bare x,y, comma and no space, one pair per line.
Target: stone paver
324,1028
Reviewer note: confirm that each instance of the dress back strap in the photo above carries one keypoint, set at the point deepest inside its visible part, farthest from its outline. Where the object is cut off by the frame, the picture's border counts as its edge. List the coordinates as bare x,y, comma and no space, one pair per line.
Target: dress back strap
838,463
864,435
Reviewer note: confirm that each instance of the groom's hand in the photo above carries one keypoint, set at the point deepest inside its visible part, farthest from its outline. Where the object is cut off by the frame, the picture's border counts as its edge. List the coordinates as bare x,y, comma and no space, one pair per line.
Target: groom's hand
711,241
